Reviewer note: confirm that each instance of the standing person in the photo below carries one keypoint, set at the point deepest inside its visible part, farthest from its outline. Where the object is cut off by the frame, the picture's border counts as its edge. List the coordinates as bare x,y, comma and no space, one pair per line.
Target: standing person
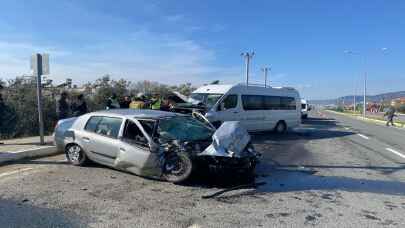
80,107
390,114
2,112
7,118
137,103
156,102
125,103
112,102
63,108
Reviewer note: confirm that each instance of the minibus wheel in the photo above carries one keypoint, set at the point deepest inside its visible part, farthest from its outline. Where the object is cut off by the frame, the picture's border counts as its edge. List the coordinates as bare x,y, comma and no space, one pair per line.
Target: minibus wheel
281,127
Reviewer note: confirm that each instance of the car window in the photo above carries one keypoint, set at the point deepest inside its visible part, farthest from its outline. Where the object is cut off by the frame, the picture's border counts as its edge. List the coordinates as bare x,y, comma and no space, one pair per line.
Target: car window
134,135
229,102
109,126
92,123
148,126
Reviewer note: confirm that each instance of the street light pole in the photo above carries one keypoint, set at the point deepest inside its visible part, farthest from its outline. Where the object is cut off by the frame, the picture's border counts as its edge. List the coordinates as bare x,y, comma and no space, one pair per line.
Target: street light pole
365,81
265,70
248,56
354,99
364,95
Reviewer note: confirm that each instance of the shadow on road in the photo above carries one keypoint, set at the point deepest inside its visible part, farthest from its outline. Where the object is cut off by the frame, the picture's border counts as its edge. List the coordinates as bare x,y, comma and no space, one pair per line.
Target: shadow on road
41,162
21,213
311,129
290,180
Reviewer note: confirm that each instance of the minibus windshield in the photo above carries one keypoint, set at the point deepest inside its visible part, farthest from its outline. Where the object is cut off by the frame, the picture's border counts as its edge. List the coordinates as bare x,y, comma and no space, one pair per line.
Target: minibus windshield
208,99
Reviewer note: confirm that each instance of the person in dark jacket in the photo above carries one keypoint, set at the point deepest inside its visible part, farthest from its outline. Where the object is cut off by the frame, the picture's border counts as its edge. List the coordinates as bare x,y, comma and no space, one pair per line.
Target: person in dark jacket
112,102
2,111
80,107
125,103
390,114
63,107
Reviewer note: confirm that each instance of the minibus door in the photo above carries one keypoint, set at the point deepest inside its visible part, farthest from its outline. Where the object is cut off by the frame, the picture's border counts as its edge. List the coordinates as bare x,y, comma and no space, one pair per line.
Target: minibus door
228,109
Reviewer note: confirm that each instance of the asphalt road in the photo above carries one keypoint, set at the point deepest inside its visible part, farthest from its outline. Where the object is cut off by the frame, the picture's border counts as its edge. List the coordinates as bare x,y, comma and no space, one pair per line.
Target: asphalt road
332,172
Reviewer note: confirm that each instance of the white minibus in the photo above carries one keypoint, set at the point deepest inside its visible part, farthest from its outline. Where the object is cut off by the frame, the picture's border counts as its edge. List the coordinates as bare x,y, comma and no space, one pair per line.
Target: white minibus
257,108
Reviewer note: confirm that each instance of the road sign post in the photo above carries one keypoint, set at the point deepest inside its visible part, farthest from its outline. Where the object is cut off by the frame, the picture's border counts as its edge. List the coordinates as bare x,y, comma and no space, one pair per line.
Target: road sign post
40,66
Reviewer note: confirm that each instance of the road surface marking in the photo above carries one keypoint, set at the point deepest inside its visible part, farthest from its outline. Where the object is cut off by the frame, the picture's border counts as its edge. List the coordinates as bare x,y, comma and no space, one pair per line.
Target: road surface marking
395,152
14,172
363,136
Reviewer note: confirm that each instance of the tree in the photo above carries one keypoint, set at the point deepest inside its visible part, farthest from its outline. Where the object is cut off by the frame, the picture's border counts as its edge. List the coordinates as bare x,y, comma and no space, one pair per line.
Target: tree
20,98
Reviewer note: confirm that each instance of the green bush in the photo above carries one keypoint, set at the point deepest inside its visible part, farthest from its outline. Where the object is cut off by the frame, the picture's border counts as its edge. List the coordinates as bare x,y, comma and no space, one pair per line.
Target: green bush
22,115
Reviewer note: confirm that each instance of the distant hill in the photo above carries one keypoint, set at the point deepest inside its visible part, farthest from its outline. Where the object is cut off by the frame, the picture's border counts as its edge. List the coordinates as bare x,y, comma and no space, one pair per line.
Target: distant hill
349,99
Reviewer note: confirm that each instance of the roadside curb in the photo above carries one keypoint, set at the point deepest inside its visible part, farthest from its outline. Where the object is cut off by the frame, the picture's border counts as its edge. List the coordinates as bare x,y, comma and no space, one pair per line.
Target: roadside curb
26,154
398,125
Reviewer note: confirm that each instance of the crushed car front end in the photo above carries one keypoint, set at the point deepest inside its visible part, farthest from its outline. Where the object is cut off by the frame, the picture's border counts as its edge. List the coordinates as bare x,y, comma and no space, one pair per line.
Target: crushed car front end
228,148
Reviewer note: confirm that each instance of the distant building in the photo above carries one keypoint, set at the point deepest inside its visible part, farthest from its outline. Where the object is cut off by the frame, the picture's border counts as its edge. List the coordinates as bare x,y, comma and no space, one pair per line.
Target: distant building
398,101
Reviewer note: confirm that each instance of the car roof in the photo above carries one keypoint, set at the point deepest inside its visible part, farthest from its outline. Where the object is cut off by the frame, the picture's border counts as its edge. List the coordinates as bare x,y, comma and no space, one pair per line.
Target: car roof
136,113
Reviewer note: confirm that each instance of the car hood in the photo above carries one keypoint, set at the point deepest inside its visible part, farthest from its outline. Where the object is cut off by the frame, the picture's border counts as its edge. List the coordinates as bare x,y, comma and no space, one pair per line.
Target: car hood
229,140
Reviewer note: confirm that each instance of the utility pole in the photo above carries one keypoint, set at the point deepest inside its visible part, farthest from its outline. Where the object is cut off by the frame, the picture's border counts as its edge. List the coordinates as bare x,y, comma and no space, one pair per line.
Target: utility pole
248,56
265,70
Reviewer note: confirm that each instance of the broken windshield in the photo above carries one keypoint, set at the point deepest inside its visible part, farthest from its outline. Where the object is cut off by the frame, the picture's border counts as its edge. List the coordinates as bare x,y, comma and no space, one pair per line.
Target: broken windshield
183,128
208,99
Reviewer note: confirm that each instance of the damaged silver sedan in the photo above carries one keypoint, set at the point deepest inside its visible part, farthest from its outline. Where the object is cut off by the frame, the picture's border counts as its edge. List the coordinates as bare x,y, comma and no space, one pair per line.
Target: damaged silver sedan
155,144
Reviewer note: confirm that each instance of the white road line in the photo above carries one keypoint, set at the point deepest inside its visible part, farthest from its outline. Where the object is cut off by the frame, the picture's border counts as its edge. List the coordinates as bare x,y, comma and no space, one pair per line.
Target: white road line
363,136
14,172
395,152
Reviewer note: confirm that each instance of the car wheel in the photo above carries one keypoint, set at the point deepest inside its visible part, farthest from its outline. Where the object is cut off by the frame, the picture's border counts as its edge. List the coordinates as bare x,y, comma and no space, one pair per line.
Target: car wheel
177,168
75,155
281,127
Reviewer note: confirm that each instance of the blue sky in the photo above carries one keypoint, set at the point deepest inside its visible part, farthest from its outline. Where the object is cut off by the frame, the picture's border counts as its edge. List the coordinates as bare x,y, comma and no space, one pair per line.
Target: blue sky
200,41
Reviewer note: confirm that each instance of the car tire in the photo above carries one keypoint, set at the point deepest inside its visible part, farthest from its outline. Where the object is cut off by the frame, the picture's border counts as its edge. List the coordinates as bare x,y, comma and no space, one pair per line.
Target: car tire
281,127
177,168
75,155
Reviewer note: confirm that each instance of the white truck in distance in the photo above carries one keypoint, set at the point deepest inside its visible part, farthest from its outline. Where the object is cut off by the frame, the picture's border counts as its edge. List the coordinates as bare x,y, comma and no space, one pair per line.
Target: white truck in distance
258,108
304,109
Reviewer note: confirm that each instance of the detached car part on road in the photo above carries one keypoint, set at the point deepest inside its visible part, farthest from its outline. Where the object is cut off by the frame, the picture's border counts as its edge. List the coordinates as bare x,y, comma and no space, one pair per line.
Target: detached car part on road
155,144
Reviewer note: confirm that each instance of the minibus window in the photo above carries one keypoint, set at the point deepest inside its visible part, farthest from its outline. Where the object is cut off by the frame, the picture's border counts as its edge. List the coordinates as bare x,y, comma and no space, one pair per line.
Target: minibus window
260,102
252,102
288,103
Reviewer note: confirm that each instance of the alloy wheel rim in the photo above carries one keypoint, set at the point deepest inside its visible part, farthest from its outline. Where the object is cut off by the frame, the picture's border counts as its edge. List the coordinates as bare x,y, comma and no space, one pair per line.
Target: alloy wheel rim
74,153
280,127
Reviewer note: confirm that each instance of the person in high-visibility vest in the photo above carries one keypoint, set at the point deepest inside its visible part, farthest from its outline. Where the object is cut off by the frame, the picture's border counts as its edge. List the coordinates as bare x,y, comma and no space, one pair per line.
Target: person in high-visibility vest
137,103
156,102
